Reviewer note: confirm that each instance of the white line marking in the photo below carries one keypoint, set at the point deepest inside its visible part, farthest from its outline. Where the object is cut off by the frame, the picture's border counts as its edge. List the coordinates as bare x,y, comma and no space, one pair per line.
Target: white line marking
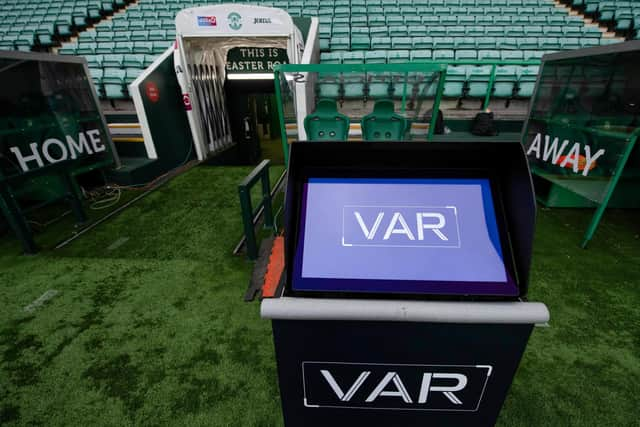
41,300
115,245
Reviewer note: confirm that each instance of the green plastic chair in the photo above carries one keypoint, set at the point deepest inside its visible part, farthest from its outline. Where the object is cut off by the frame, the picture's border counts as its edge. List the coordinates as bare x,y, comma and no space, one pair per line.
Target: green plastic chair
383,124
326,123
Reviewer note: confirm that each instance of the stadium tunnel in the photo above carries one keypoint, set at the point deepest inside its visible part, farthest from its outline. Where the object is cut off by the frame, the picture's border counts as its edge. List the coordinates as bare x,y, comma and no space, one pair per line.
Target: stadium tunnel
223,59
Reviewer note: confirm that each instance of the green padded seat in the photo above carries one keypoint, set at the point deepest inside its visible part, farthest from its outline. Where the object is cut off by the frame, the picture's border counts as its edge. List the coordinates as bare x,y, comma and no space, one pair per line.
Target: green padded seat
88,48
401,43
456,31
360,42
379,86
324,45
105,47
504,83
570,43
454,83
527,43
465,43
398,31
533,31
511,55
133,61
94,61
466,55
532,54
123,47
437,31
326,123
331,58
443,55
384,124
143,47
419,55
360,31
379,43
549,43
417,31
486,42
68,49
444,43
527,80
397,56
375,57
489,55
478,81
476,31
353,57
422,42
131,74
112,61
157,35
139,36
339,43
113,81
589,42
358,21
494,31
160,46
106,37
96,75
353,86
572,31
379,31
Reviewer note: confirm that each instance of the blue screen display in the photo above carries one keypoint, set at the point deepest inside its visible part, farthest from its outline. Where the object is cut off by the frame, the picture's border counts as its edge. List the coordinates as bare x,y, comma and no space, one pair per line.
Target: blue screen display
420,236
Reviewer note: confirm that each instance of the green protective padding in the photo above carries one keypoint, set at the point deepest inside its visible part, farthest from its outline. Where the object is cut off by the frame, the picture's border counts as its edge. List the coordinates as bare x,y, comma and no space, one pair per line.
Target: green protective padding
326,123
383,124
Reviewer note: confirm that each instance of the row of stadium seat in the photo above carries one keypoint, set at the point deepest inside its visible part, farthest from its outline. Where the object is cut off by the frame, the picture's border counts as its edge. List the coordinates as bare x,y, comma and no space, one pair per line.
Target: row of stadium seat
24,25
461,81
434,11
91,48
460,30
503,43
169,4
112,82
424,18
621,16
397,56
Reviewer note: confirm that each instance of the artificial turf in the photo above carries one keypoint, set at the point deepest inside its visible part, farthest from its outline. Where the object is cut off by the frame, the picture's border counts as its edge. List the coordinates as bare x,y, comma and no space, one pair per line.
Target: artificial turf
155,331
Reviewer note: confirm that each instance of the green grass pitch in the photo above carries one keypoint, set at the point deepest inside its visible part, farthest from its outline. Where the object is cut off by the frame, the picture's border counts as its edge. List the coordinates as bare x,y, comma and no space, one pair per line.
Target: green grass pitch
155,332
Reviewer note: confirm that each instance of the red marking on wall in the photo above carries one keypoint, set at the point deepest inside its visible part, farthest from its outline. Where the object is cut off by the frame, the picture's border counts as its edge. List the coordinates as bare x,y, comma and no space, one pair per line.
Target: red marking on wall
152,91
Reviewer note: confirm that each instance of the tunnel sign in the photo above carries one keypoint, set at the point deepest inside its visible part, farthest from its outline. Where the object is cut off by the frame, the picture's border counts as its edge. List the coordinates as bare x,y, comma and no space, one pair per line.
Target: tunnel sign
255,59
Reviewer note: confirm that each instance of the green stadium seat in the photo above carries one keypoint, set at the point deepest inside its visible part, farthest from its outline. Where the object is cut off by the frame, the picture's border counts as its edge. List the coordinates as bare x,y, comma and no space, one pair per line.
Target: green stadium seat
379,86
419,55
86,48
532,54
478,81
437,31
113,81
443,55
340,31
379,43
533,31
454,82
549,43
397,56
527,43
143,47
589,42
476,31
422,42
353,58
331,58
417,31
508,43
326,123
149,59
444,43
495,31
96,75
160,46
486,43
353,86
465,43
157,35
398,31
112,61
466,55
505,81
401,43
133,61
572,31
68,49
123,47
139,35
570,43
105,47
378,31
511,55
489,55
383,124
456,31
526,80
375,57
360,43
132,74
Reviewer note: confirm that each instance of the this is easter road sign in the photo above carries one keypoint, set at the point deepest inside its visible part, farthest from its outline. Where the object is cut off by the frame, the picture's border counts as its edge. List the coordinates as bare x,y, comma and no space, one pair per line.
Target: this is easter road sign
255,59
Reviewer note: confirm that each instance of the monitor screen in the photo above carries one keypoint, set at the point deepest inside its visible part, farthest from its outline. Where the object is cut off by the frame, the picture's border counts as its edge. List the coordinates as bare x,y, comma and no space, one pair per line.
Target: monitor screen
407,236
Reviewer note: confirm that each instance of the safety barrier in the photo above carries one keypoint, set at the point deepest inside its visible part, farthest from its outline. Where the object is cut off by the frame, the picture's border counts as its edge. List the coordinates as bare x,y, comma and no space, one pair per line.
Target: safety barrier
251,215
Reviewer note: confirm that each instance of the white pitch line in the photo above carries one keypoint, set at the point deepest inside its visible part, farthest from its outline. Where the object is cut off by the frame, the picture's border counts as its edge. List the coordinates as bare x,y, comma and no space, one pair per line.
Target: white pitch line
115,245
41,300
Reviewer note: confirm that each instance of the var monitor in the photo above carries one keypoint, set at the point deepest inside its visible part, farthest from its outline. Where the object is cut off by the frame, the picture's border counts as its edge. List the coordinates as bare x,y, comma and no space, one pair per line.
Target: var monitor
400,231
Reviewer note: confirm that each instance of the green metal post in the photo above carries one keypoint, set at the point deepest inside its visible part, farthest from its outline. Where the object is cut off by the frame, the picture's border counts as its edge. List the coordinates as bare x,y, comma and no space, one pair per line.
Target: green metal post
283,128
266,199
247,222
436,104
404,92
492,80
597,216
